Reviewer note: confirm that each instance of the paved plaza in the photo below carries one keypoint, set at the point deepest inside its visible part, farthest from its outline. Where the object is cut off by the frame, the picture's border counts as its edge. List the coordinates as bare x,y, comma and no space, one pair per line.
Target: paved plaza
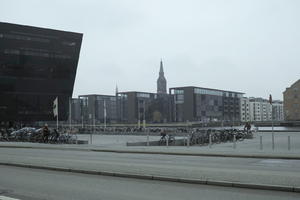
245,146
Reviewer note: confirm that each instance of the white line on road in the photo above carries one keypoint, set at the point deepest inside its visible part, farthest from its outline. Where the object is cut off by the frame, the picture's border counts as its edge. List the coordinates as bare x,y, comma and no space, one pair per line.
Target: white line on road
7,198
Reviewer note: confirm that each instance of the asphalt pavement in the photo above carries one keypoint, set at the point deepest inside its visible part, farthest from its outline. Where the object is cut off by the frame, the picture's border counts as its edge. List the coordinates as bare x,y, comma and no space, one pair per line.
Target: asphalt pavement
278,172
33,184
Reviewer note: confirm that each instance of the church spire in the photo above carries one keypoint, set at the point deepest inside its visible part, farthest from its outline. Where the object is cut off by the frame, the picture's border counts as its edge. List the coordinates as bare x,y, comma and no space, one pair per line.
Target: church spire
161,70
161,81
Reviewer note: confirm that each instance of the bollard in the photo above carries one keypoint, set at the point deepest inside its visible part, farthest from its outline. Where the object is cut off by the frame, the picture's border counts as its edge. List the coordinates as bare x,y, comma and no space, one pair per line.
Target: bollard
234,141
209,140
147,138
261,144
273,144
289,143
167,140
188,141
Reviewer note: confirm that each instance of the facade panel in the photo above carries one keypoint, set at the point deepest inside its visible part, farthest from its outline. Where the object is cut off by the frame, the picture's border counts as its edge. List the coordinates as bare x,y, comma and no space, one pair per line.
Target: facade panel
36,66
205,104
291,99
137,106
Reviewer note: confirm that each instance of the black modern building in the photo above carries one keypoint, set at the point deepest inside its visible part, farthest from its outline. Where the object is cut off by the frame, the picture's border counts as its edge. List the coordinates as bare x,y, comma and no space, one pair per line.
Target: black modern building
204,104
36,66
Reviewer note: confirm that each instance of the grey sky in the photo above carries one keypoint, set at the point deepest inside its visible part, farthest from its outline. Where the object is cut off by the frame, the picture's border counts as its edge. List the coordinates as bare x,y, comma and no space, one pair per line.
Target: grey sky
250,46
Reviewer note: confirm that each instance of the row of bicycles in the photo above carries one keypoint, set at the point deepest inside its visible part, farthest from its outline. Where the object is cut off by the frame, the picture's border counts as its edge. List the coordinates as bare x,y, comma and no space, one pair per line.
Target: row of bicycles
204,137
219,136
30,134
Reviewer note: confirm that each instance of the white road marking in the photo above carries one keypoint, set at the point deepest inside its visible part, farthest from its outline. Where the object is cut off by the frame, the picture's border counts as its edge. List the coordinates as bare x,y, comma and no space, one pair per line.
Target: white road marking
7,198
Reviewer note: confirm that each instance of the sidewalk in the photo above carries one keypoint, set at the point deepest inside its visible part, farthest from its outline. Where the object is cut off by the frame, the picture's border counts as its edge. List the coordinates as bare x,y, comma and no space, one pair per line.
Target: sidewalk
217,150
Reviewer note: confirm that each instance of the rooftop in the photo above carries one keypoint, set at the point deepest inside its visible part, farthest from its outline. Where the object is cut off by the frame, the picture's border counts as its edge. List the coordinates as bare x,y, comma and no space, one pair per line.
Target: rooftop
205,89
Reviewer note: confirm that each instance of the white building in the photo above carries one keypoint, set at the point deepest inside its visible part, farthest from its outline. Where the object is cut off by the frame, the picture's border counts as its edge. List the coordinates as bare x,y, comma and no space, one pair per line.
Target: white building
245,109
278,112
259,109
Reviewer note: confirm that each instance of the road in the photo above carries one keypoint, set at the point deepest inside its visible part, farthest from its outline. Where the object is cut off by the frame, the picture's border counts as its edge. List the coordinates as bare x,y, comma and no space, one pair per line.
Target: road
245,170
33,184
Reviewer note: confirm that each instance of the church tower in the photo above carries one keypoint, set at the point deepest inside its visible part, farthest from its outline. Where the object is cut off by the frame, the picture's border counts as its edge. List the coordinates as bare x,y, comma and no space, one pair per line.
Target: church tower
161,81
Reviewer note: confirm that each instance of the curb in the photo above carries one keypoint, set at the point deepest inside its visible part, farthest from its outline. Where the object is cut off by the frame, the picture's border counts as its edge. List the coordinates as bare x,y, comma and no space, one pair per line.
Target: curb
200,154
159,152
49,148
163,178
277,131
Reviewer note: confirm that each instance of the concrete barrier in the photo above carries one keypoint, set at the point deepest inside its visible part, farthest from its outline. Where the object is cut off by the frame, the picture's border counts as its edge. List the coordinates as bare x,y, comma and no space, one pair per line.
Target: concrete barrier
219,183
177,142
265,187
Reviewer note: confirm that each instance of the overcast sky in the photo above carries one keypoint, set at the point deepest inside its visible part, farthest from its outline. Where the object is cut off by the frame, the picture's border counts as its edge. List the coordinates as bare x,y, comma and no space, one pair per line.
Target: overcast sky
250,46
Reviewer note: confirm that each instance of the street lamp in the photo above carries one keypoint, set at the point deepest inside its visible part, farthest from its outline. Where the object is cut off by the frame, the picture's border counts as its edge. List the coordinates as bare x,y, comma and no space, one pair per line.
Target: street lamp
144,119
138,108
271,102
104,110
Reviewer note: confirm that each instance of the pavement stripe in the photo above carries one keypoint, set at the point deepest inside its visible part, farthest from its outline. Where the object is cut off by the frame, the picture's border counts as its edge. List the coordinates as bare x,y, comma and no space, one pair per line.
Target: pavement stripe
7,198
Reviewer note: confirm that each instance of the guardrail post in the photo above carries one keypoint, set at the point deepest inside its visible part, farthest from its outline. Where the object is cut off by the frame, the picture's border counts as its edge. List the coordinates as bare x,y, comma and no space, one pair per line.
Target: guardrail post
91,138
260,142
234,141
147,137
289,143
210,140
273,143
167,140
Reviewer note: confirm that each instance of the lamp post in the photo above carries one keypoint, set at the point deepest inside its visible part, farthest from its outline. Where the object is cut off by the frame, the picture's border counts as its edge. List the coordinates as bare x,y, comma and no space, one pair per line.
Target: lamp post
270,101
70,114
175,114
138,108
94,117
144,115
104,110
90,125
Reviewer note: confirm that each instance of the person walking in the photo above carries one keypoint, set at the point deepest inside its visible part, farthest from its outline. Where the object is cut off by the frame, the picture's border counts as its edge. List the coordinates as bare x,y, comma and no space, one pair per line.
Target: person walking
45,133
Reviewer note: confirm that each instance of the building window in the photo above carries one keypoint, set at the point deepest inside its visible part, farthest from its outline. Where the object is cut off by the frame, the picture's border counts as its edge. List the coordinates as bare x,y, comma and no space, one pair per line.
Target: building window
144,95
178,91
208,92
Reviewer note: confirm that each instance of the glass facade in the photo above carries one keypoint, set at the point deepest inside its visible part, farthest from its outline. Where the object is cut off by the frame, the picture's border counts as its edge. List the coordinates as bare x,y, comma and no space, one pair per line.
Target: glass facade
36,66
122,107
137,106
95,107
106,105
208,107
207,91
204,104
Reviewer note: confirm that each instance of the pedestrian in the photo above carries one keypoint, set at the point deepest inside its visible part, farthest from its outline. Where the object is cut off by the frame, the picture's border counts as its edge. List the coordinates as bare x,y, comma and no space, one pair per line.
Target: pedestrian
45,133
248,127
163,134
245,127
56,135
